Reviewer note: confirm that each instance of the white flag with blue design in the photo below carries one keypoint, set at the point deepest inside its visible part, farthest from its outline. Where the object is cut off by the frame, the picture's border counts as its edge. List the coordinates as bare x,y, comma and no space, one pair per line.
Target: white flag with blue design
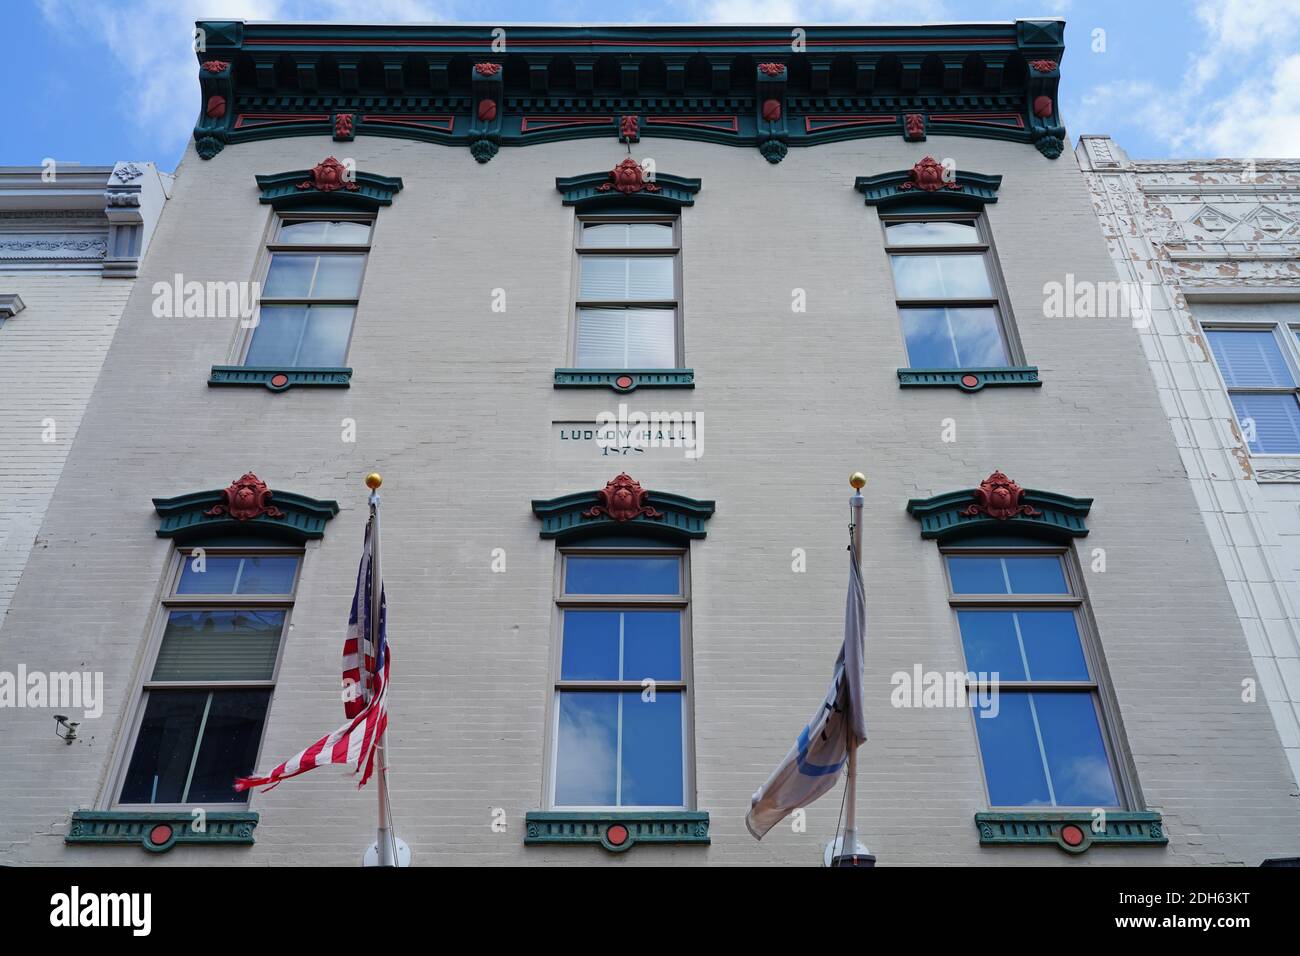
816,761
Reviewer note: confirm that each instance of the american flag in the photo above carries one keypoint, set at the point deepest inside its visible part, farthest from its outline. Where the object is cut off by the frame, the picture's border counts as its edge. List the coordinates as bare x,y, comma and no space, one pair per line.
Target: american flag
365,699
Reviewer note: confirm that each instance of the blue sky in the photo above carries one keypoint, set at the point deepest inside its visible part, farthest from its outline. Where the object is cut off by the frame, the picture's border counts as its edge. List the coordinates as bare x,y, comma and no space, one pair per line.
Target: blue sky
94,81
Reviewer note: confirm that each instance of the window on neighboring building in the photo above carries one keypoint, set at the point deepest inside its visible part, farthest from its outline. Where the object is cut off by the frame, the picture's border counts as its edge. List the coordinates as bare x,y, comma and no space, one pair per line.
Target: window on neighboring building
1022,616
620,731
1257,365
310,293
628,311
946,283
205,697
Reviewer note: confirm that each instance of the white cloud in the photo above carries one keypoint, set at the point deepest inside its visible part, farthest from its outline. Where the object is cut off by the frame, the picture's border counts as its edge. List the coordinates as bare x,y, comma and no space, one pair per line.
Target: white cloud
1235,99
152,42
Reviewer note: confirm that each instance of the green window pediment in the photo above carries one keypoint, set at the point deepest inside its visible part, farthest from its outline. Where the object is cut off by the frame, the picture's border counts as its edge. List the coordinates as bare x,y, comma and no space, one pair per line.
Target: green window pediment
627,187
1000,507
623,507
329,186
928,187
247,509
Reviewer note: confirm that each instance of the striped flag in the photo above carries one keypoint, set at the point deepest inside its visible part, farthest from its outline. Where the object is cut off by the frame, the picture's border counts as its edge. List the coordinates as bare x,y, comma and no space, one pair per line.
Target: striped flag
365,701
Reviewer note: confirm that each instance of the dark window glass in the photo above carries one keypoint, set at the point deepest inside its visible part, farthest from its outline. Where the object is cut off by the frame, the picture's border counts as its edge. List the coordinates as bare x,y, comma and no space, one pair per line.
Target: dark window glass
193,744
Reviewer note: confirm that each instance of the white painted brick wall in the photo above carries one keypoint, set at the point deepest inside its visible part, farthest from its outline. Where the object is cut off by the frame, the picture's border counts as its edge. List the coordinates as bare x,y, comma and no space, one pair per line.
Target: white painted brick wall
453,403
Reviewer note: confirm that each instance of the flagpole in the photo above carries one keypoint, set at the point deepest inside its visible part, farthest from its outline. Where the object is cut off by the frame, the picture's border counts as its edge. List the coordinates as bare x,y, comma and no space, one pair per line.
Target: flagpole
384,843
849,846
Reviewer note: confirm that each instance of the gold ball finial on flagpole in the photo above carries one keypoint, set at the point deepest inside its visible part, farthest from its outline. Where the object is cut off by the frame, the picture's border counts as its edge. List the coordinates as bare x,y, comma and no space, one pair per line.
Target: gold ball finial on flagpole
374,480
858,480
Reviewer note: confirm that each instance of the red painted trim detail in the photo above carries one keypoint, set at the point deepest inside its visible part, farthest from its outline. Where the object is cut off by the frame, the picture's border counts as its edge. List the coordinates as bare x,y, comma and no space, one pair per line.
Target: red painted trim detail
617,834
247,497
541,124
622,499
268,119
279,380
417,120
160,834
980,119
970,381
999,497
723,124
836,122
1071,835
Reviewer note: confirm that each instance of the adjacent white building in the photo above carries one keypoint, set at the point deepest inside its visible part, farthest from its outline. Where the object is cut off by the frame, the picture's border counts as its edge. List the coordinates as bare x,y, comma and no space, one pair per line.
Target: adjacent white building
1216,245
71,239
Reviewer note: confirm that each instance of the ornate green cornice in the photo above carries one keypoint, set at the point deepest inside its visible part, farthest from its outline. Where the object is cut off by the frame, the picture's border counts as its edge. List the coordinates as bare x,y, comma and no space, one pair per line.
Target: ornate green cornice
280,379
627,189
247,508
738,86
928,184
318,189
1074,831
1000,506
623,507
616,830
159,830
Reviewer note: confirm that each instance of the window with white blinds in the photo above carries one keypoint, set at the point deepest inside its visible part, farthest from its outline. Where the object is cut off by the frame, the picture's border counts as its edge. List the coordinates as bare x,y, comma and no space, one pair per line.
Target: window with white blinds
628,308
1257,368
203,703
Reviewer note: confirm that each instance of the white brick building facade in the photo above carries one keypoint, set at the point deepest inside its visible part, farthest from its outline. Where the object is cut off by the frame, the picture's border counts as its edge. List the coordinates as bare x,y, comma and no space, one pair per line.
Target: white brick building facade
455,403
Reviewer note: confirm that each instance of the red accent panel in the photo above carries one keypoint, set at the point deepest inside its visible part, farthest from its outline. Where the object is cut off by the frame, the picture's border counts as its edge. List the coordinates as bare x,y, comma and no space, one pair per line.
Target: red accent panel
1043,106
617,834
487,69
216,107
244,120
487,110
980,119
279,380
771,110
623,381
824,123
1071,835
1043,66
214,66
970,381
540,124
343,126
724,124
438,122
160,834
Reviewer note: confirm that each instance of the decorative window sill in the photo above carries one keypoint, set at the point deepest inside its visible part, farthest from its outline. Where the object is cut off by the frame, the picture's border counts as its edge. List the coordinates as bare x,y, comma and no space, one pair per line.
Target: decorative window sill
968,379
159,831
616,830
280,379
624,379
1071,830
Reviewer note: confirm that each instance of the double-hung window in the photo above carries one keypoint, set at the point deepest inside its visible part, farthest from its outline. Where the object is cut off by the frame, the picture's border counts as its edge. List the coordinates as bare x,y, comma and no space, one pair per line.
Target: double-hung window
948,290
205,697
1257,365
628,307
310,293
620,732
1034,671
